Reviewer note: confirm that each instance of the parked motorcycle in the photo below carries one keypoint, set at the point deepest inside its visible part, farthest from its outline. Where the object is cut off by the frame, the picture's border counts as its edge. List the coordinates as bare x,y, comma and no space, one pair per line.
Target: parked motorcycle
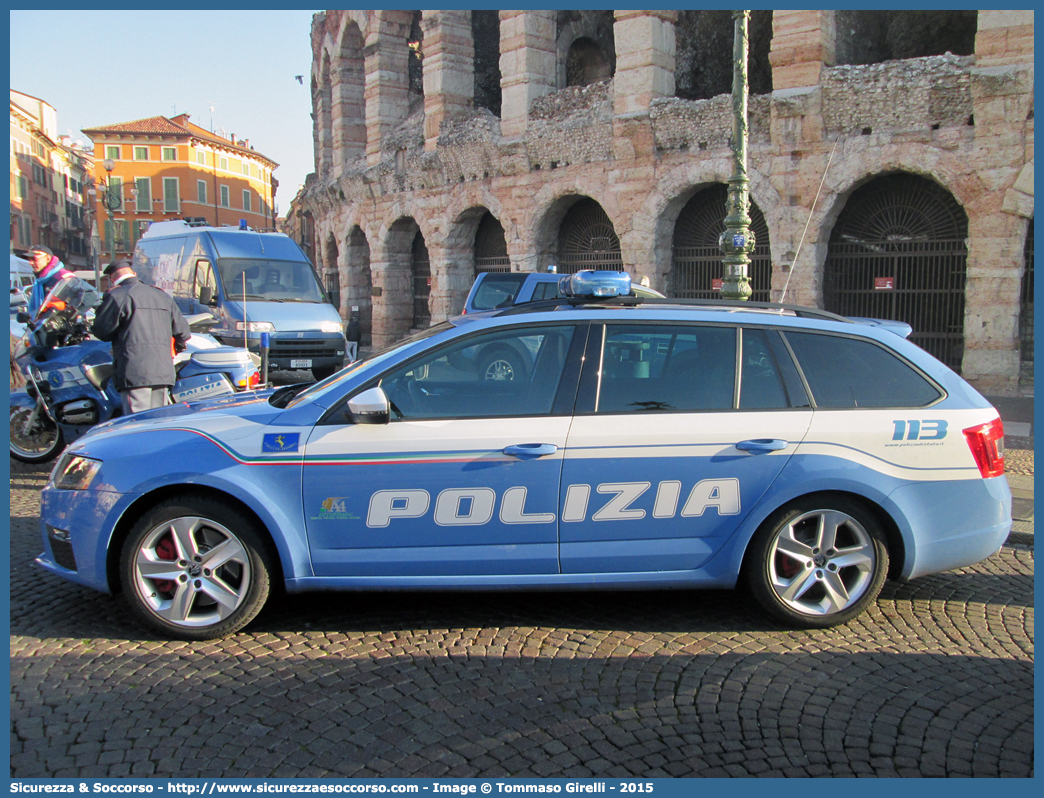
68,374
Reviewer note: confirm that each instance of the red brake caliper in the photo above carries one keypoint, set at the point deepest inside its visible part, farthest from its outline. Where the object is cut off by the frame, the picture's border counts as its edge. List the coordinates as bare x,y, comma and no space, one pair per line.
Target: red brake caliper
166,550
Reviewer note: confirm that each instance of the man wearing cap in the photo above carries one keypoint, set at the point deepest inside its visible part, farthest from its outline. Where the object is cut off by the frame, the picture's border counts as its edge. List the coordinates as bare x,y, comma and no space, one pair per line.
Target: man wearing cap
140,321
48,270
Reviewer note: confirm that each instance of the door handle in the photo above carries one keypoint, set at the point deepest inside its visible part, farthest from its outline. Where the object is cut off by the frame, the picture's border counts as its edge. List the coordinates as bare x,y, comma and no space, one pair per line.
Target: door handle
760,445
527,450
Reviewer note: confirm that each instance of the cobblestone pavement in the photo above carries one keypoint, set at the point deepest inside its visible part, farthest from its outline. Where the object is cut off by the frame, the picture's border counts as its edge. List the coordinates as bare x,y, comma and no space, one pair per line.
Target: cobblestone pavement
935,680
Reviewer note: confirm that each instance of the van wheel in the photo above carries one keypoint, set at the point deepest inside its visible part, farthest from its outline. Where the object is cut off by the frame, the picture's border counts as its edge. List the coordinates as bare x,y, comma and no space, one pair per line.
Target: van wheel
817,562
195,569
322,372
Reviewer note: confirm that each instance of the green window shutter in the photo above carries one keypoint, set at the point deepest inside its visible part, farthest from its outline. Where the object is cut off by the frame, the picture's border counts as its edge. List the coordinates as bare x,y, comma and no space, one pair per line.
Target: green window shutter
144,186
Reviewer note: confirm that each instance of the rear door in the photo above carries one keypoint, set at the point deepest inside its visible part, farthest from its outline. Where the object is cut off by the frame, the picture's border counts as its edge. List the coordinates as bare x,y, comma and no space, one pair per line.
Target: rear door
675,439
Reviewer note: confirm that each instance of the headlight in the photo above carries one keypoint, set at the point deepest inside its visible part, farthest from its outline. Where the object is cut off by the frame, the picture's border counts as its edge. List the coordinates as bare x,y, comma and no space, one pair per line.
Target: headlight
74,472
331,327
255,326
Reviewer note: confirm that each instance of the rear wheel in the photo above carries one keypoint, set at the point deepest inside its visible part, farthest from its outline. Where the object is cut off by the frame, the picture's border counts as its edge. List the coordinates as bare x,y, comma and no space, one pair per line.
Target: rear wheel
818,562
195,569
34,437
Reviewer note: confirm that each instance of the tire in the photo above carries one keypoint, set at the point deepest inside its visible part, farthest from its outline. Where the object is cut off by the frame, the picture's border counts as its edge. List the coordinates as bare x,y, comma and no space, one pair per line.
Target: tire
502,365
817,562
322,372
42,443
187,599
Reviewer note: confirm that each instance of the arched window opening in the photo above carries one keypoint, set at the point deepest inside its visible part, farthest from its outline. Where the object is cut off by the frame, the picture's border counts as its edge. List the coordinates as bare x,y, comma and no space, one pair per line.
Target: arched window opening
415,64
587,239
332,279
485,32
872,37
586,63
696,257
897,251
703,60
491,246
421,266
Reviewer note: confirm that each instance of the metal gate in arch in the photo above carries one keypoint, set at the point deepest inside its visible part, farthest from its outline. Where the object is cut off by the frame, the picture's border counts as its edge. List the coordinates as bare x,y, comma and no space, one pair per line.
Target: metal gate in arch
588,240
696,257
898,252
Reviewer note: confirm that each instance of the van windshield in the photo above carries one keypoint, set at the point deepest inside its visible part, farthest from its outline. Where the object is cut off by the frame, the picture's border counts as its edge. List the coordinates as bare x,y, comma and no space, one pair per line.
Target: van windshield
269,280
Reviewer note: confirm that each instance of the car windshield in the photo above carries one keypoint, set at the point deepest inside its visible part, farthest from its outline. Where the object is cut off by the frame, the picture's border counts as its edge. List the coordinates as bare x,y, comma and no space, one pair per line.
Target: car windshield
323,386
497,290
269,280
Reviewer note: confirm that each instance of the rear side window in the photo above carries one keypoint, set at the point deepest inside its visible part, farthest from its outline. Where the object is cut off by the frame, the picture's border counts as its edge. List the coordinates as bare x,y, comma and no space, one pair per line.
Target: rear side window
660,368
497,290
547,290
848,372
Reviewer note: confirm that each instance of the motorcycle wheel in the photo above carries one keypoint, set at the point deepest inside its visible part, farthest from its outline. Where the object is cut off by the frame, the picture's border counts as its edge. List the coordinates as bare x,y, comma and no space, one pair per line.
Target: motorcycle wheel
43,441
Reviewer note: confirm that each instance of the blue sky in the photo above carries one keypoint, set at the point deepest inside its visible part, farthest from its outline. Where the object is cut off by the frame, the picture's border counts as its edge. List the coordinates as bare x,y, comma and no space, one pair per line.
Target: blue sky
100,67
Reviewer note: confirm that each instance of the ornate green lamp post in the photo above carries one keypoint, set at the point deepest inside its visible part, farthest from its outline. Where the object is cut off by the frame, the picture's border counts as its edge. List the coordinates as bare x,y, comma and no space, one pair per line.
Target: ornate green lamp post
737,242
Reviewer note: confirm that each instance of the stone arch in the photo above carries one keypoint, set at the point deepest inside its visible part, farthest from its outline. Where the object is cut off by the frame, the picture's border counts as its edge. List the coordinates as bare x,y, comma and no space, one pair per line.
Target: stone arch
655,224
330,272
586,63
349,104
357,281
576,233
898,250
703,59
599,48
460,249
485,34
696,256
871,37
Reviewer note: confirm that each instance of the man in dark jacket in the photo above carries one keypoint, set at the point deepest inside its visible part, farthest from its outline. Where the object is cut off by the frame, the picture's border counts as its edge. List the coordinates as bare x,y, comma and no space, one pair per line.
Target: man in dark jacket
141,322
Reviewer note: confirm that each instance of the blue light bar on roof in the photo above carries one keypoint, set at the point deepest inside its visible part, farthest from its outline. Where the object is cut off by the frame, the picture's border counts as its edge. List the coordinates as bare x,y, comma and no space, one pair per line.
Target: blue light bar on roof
589,283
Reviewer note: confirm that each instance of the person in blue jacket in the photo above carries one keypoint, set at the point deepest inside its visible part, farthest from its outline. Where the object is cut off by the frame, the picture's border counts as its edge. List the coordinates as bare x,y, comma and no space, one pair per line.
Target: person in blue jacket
48,270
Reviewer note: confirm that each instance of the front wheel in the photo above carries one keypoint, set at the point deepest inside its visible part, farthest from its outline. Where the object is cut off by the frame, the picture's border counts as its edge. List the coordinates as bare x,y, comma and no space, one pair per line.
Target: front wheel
195,569
35,438
818,562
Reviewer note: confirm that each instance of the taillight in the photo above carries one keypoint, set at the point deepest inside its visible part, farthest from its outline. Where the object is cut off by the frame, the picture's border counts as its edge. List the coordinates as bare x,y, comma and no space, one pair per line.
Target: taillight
986,442
255,379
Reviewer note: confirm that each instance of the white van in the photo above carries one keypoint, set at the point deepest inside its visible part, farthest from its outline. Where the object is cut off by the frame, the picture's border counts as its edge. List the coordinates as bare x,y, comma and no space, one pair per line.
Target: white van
253,283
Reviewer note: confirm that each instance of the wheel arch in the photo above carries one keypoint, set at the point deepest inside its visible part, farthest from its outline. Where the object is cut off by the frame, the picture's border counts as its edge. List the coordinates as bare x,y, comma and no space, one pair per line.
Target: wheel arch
893,537
147,501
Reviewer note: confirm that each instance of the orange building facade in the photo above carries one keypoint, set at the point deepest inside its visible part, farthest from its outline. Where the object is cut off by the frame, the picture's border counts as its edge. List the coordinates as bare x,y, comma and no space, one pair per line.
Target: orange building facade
165,169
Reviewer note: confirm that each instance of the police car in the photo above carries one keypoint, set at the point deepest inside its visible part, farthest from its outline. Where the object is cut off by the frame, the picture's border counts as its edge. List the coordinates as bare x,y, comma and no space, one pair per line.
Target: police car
640,443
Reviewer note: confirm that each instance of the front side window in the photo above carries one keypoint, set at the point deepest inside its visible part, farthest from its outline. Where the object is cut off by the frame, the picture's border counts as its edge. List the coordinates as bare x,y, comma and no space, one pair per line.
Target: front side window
851,372
666,368
204,279
502,373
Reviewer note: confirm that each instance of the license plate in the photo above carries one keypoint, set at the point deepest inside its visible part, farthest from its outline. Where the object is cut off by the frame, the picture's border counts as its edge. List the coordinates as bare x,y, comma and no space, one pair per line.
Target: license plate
300,364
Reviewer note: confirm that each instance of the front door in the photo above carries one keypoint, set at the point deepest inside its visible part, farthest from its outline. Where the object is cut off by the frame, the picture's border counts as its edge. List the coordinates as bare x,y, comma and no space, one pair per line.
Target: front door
464,480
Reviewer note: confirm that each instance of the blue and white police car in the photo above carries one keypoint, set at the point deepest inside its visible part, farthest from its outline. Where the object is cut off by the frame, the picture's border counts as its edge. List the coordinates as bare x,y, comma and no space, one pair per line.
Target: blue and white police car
635,443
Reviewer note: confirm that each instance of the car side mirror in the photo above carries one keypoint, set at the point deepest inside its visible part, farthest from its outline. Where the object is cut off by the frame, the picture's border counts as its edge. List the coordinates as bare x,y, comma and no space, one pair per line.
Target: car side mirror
206,293
369,407
23,318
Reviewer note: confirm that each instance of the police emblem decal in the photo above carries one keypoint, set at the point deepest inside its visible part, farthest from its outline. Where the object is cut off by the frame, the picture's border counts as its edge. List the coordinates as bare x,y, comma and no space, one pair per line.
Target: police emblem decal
280,442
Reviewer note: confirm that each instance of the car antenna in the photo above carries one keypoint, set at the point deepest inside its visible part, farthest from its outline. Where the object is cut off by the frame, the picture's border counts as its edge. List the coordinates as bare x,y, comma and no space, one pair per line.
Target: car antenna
812,211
